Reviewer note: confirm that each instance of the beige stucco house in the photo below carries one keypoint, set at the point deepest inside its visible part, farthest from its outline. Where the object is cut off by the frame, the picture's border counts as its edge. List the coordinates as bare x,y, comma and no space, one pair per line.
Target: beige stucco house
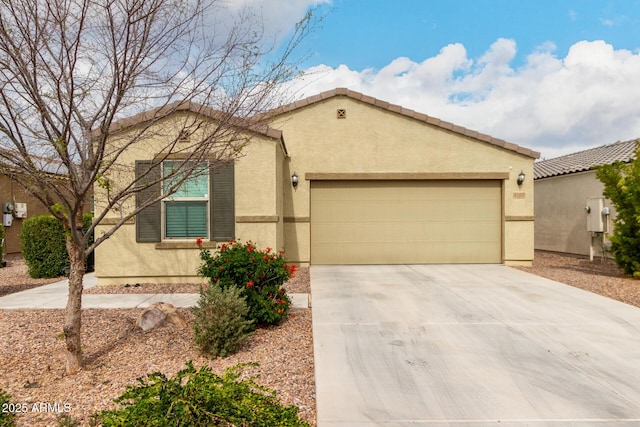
376,183
572,215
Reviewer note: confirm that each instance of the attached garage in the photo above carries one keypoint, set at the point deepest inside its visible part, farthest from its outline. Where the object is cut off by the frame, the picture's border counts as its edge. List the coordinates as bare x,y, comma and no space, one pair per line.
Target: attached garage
406,221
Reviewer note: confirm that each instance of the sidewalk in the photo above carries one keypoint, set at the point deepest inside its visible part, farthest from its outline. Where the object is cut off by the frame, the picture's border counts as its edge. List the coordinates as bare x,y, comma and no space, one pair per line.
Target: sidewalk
54,296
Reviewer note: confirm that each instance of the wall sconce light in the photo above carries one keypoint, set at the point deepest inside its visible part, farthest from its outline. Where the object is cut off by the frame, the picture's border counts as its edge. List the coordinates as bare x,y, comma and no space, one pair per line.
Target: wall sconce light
294,180
521,177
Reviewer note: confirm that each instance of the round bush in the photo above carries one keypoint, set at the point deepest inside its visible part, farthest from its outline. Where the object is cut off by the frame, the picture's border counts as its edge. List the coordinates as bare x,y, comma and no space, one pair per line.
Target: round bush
44,246
221,326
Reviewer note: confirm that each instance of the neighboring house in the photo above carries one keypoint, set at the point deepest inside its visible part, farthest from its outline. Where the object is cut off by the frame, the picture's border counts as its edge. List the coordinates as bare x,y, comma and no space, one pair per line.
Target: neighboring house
11,194
569,202
377,184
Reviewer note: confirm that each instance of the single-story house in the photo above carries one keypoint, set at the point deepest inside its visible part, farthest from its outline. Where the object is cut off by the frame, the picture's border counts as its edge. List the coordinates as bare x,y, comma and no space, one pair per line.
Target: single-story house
344,178
572,215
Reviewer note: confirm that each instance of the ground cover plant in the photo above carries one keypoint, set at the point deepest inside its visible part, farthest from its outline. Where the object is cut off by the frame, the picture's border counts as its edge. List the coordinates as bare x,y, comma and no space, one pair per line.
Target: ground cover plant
197,398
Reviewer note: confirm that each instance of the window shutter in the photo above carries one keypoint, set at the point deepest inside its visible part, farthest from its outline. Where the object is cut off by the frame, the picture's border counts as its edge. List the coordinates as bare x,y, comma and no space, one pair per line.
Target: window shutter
148,220
222,215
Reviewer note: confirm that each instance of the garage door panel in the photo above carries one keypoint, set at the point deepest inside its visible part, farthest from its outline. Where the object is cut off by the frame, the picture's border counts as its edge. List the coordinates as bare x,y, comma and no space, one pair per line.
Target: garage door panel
365,222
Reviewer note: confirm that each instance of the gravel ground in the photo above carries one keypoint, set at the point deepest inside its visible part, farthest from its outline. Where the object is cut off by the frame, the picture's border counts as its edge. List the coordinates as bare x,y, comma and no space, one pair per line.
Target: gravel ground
599,276
116,353
14,278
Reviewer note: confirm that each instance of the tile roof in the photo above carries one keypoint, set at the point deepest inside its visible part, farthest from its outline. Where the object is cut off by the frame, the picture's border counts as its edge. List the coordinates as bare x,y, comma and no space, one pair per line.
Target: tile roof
584,160
405,112
160,112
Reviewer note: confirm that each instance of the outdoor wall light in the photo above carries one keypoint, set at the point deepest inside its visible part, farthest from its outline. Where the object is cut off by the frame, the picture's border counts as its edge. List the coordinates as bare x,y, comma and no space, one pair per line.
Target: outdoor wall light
521,177
294,180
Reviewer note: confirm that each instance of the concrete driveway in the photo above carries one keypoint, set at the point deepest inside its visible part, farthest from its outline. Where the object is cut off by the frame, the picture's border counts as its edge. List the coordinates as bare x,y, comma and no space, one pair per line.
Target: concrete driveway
470,345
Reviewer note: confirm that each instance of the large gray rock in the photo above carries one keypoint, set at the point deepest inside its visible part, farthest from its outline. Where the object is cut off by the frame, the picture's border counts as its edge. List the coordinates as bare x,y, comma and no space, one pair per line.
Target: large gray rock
159,314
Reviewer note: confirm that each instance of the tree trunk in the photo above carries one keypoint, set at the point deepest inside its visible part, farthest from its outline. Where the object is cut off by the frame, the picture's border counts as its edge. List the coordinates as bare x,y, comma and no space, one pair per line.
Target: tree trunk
73,318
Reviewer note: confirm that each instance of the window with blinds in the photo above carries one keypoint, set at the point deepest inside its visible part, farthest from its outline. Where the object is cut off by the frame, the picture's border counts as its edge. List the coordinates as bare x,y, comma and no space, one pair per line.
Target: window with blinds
186,210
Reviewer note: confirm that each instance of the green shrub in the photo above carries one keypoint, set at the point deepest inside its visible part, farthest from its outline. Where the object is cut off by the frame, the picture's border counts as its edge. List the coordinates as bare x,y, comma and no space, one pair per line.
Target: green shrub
43,243
259,274
6,417
43,246
221,326
622,186
200,398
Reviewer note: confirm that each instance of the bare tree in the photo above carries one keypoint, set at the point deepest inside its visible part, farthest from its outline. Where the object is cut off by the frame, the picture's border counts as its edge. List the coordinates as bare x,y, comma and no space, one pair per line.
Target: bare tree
72,70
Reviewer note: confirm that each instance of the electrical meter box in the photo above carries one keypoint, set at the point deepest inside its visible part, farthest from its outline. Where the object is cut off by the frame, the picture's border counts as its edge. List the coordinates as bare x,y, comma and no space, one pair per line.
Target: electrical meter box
7,208
20,210
595,218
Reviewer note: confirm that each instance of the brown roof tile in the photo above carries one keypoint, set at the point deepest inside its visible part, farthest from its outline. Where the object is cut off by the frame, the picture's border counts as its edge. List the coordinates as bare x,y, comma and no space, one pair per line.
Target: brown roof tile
581,161
154,114
405,112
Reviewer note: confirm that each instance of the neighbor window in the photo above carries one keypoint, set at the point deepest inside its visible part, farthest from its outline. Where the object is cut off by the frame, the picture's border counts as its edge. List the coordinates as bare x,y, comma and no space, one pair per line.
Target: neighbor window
186,210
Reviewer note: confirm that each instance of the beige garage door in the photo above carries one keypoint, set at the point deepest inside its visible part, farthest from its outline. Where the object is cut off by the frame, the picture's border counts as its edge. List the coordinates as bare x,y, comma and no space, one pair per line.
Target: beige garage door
405,222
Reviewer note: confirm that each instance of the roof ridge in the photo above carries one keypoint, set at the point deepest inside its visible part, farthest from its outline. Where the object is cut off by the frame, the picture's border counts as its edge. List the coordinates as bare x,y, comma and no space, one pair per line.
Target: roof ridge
343,91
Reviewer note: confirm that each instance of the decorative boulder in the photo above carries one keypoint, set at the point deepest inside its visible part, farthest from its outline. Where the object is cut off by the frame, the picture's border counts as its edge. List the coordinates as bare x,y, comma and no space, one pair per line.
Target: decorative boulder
158,314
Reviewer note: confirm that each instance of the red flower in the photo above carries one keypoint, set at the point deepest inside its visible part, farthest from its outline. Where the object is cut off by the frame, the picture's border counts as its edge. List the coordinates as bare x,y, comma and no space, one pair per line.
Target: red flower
281,290
281,302
249,249
199,241
281,310
268,249
264,258
250,284
223,247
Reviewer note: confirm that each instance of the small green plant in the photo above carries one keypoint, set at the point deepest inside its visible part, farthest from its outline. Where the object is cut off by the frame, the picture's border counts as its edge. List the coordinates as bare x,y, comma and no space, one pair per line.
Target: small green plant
6,416
221,326
198,398
259,274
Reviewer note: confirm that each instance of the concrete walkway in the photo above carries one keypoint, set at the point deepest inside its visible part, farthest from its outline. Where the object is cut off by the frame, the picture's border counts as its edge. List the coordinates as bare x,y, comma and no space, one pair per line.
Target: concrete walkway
470,346
54,296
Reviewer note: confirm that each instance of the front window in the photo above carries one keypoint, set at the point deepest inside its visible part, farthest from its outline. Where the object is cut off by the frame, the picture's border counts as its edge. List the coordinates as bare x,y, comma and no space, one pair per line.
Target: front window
186,210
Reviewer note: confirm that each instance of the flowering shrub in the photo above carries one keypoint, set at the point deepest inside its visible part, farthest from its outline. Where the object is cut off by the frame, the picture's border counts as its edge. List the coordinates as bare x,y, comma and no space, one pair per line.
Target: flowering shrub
259,274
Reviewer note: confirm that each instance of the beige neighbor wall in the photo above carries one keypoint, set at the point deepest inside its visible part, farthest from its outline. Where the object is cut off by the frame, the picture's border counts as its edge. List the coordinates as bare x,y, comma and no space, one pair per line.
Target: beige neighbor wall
376,140
120,259
561,218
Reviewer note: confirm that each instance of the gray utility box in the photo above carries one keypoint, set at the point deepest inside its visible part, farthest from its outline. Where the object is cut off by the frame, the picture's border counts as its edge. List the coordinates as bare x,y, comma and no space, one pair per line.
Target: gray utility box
596,218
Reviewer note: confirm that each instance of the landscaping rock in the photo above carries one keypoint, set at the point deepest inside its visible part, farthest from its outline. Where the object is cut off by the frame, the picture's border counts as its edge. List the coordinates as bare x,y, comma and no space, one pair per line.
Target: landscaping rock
159,314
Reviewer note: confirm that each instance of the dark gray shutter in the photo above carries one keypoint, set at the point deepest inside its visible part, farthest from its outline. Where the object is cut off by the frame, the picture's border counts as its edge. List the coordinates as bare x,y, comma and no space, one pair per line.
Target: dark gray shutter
148,220
222,214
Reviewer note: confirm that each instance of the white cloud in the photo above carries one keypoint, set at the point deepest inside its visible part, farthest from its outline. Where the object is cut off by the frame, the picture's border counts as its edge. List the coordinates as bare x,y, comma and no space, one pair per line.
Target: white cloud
550,104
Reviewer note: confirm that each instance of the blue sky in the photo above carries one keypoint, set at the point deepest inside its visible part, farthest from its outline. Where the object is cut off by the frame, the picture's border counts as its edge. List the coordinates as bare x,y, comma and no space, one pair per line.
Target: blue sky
371,33
555,76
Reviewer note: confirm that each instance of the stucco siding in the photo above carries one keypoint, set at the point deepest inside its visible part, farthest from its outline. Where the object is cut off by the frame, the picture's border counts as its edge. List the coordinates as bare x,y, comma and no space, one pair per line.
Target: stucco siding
561,218
121,259
372,139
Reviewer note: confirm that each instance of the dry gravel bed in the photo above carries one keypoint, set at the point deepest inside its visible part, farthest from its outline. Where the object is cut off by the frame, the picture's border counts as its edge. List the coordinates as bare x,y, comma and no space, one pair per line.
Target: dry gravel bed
599,276
116,353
